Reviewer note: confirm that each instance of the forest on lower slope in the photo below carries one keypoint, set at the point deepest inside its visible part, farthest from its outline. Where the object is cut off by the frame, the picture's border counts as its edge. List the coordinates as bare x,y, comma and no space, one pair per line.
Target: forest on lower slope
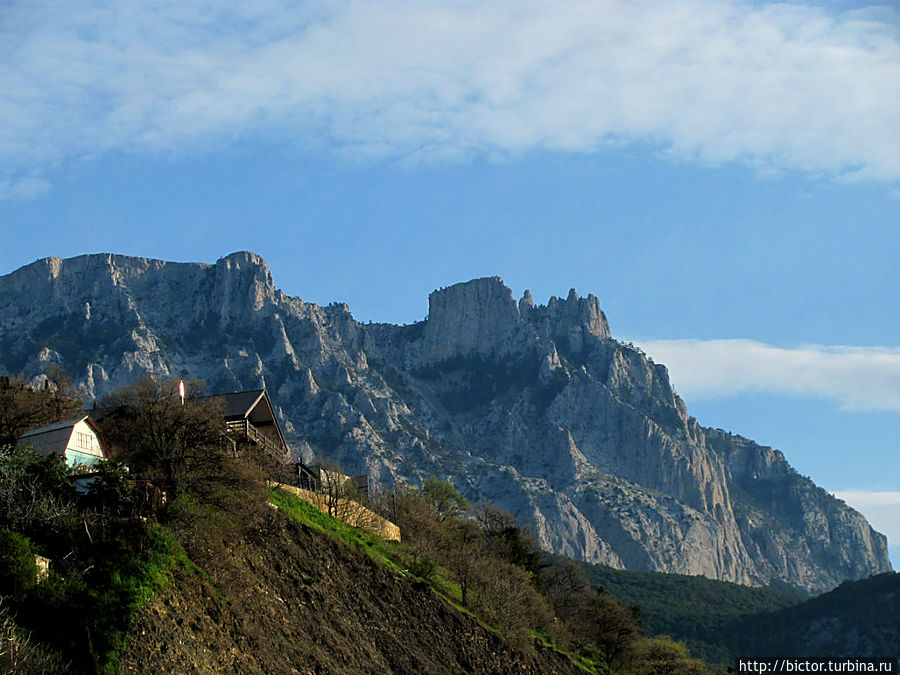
698,611
179,558
720,621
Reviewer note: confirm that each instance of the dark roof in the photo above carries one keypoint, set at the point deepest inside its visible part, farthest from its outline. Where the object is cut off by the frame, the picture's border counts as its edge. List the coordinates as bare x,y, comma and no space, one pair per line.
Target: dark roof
240,403
236,405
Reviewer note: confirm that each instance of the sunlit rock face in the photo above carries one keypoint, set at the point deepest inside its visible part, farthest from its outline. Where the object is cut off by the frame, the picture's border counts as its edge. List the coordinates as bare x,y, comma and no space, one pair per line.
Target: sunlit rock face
534,407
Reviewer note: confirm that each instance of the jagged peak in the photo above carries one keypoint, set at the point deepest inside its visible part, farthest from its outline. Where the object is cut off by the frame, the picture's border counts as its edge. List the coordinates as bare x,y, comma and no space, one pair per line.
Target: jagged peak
577,311
246,262
526,302
485,295
485,286
235,282
239,259
128,267
467,317
156,299
482,316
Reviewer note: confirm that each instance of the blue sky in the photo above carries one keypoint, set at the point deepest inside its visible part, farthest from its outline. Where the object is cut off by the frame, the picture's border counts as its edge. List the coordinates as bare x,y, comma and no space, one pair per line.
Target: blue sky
723,175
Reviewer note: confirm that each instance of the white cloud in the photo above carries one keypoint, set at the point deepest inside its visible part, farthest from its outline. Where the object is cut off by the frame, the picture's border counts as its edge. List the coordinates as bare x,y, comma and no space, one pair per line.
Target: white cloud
857,378
881,509
778,86
22,187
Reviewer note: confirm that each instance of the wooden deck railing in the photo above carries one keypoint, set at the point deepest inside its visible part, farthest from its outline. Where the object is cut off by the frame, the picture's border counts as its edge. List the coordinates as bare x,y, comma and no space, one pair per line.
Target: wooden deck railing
244,428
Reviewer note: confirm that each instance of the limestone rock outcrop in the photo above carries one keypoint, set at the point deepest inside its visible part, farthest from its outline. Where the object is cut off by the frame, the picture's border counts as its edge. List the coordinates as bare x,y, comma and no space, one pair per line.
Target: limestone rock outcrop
534,407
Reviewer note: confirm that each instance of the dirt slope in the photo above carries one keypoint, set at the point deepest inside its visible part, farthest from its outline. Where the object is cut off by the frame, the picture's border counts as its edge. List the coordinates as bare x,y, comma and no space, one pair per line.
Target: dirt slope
283,598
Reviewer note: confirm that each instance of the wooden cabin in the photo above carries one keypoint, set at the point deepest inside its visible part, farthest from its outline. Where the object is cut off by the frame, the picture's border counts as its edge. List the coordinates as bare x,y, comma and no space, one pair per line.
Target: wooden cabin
249,416
78,440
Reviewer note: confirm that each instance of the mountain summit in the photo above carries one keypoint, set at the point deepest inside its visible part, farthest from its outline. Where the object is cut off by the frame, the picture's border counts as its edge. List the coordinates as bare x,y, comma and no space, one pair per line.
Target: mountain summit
533,407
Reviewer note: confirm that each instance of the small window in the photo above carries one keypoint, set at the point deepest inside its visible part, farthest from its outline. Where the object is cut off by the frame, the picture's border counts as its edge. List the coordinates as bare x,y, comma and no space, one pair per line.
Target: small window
84,441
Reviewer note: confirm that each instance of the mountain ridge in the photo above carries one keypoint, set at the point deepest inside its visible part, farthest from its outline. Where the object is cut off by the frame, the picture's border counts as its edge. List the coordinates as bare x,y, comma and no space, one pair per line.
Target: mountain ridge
535,407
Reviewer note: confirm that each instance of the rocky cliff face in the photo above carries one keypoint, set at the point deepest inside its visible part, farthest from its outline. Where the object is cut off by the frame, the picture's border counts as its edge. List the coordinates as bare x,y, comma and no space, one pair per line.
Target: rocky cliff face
534,407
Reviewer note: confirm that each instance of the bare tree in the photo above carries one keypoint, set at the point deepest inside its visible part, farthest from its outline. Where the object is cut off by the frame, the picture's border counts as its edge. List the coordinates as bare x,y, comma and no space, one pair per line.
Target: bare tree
20,654
505,539
164,440
612,626
340,497
506,595
23,407
566,585
463,553
63,400
334,487
421,529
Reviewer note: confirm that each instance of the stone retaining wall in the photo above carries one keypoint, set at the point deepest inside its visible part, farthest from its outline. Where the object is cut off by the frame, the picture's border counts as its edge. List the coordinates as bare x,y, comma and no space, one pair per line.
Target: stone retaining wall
348,511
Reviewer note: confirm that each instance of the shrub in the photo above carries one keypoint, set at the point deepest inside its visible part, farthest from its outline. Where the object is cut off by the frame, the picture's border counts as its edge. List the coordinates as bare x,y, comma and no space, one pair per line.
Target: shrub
19,654
18,571
662,656
35,490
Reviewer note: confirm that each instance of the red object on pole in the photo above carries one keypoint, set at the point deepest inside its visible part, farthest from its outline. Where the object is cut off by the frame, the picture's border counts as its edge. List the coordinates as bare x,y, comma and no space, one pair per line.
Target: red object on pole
181,390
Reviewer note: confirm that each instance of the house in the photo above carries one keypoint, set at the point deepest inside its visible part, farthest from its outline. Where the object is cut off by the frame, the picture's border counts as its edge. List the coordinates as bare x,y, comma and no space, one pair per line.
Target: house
78,440
249,416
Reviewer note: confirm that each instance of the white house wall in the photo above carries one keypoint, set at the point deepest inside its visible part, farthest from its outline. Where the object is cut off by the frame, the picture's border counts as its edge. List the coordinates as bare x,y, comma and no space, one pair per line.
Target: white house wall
83,447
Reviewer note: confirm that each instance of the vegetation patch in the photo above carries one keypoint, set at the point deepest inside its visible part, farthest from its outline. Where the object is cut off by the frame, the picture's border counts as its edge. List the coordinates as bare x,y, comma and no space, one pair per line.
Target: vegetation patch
467,383
110,547
120,586
104,566
304,513
708,615
482,564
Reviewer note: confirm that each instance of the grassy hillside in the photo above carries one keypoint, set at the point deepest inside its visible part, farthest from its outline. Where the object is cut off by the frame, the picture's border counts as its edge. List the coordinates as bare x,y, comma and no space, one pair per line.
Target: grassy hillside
224,582
184,561
300,592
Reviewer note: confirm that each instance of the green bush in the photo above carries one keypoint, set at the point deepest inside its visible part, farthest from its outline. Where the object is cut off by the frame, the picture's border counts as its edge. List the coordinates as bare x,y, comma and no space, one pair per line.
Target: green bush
663,656
122,584
18,571
38,501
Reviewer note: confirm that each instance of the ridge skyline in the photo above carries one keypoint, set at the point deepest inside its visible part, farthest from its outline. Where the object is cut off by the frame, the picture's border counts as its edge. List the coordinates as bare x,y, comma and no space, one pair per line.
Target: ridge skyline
255,257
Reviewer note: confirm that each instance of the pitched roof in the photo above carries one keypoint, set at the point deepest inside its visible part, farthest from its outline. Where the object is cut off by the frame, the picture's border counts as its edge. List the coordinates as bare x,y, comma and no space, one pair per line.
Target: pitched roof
240,403
55,426
55,438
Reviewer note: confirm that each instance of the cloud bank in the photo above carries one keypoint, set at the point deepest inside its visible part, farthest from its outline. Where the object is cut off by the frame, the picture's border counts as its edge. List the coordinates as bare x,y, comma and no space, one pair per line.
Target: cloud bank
857,378
776,86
